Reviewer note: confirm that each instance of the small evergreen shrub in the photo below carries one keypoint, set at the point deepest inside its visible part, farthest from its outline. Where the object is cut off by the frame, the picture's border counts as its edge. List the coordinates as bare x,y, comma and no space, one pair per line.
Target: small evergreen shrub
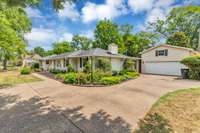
153,123
71,78
70,68
25,71
115,73
35,66
87,67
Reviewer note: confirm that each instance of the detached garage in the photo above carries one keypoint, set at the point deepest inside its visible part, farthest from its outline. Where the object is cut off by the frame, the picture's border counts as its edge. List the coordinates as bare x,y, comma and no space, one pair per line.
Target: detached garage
165,59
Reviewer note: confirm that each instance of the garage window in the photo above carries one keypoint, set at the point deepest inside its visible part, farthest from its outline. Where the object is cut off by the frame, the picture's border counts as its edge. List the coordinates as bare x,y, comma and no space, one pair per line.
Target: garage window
162,52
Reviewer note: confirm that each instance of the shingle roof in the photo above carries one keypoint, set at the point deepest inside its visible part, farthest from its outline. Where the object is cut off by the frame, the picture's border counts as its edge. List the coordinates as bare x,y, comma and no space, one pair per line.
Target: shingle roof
95,52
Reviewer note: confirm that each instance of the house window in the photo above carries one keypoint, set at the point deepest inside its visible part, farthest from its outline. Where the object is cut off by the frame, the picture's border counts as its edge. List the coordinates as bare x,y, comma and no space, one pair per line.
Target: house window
162,52
81,63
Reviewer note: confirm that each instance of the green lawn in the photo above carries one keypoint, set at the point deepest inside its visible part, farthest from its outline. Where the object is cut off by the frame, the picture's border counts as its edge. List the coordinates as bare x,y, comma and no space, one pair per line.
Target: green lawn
14,77
182,109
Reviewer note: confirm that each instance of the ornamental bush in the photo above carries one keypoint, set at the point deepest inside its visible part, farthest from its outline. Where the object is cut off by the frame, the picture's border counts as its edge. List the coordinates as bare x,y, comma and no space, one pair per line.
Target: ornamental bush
71,78
70,68
25,71
111,80
193,63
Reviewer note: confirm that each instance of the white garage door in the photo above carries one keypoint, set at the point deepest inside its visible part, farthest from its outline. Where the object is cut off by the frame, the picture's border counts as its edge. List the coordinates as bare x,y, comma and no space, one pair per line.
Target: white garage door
163,68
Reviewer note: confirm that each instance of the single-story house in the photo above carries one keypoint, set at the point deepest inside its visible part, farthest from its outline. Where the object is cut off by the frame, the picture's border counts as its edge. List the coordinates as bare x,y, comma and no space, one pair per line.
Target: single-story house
165,59
29,60
78,58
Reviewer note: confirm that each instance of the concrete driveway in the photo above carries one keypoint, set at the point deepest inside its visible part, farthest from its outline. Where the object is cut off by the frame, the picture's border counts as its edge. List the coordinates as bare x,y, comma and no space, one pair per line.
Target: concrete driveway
51,107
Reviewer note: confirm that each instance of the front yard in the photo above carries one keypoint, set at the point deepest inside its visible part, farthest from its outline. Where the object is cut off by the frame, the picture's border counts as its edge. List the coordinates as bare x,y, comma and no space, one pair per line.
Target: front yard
14,77
180,109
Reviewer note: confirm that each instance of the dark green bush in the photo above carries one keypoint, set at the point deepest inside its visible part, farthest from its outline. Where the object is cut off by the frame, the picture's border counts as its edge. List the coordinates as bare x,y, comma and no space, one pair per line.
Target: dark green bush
35,66
25,70
153,123
98,74
115,73
193,63
87,67
111,80
70,68
71,78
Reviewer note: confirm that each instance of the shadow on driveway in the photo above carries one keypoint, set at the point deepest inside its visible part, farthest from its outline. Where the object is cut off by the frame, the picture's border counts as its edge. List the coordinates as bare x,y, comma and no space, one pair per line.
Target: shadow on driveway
36,115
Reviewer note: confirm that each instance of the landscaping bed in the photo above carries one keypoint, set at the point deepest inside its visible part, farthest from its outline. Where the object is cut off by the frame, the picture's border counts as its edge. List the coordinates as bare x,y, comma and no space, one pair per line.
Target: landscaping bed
177,111
97,78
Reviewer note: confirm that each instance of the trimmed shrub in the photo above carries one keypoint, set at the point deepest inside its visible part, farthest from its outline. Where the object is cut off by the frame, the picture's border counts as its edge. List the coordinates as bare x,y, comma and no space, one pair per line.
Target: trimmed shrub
87,67
115,73
110,80
153,123
71,78
82,78
35,66
25,71
98,74
70,68
193,63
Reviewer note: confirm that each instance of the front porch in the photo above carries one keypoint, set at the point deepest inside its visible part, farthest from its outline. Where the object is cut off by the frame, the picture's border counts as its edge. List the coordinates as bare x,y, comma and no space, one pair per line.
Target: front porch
78,63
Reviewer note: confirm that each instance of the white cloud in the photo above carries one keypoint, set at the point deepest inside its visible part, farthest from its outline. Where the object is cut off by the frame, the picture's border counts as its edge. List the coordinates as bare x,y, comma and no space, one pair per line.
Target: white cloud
164,3
66,37
155,14
33,13
109,10
40,34
69,12
140,5
45,37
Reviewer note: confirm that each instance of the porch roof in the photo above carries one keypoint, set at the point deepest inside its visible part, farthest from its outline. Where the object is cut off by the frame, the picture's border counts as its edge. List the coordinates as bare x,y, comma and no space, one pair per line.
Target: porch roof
95,52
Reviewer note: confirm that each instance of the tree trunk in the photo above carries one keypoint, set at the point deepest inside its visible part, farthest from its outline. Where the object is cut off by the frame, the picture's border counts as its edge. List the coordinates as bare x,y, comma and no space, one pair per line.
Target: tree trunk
5,64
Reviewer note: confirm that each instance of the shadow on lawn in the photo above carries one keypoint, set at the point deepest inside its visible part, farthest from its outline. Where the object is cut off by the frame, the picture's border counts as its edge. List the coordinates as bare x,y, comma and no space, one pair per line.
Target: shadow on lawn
36,115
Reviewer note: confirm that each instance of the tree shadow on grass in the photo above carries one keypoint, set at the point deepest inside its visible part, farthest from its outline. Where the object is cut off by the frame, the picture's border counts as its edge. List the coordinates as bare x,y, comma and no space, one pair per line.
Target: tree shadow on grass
36,115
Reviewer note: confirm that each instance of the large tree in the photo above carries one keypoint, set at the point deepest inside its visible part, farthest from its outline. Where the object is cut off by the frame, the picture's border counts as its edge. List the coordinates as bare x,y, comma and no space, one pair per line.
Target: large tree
14,23
40,51
57,4
181,19
179,39
81,42
136,44
62,47
107,32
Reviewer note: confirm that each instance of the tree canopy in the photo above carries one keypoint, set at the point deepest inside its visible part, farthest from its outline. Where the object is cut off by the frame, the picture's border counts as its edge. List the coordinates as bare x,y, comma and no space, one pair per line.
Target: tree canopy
81,42
62,47
107,32
14,23
180,19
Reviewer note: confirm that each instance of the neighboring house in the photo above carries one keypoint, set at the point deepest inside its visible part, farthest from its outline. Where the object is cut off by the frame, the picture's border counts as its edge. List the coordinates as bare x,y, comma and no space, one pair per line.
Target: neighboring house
165,59
29,60
78,58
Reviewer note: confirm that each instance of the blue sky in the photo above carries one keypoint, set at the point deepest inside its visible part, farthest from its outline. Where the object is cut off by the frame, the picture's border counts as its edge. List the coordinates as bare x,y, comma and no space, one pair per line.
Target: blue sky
49,26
